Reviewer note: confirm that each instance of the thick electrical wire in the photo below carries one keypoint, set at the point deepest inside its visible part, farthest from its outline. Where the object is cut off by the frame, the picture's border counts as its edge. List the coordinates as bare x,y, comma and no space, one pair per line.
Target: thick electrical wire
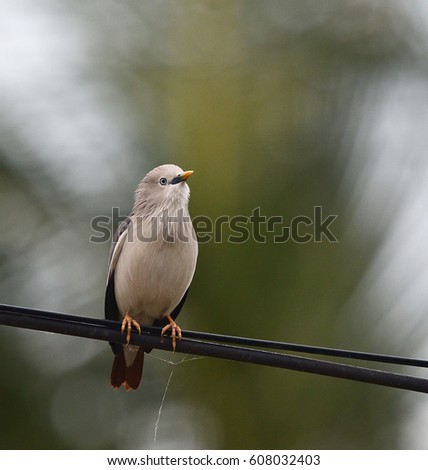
224,347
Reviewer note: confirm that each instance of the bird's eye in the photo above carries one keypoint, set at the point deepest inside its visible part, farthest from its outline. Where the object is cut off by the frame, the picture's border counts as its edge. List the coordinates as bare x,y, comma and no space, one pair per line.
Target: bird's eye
163,181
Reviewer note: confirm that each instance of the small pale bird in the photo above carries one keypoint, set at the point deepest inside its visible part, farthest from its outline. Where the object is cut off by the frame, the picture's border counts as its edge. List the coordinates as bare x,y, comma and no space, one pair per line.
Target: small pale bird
151,265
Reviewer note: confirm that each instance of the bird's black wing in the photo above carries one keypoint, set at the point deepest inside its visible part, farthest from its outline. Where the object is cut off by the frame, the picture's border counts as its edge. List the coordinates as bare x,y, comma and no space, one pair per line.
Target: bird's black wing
111,310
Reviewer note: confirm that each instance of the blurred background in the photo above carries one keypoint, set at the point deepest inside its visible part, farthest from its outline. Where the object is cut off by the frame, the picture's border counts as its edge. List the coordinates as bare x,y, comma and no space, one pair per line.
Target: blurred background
282,105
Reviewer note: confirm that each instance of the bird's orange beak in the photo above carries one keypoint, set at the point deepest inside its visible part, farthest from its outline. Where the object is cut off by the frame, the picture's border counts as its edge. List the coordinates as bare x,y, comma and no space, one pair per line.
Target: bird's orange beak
186,174
181,177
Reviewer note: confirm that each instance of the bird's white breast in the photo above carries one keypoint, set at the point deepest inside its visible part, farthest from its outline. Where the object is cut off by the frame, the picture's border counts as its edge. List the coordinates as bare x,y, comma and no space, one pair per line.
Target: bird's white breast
152,274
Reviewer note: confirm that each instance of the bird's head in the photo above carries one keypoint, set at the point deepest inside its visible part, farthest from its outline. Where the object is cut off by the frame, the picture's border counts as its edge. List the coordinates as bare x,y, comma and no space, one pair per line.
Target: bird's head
163,188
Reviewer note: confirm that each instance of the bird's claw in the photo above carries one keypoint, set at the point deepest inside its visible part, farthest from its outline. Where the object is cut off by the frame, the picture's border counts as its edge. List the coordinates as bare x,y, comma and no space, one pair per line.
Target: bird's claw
175,332
127,323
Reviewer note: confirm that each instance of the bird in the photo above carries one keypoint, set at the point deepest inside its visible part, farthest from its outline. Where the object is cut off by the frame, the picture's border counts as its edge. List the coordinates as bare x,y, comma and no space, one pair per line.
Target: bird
152,261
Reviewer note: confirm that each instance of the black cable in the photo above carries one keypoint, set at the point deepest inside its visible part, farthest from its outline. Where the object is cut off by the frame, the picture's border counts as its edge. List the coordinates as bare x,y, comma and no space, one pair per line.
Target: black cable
319,350
237,340
110,331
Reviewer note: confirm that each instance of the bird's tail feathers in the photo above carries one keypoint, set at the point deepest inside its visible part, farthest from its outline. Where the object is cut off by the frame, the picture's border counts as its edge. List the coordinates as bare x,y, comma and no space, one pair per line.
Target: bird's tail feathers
128,376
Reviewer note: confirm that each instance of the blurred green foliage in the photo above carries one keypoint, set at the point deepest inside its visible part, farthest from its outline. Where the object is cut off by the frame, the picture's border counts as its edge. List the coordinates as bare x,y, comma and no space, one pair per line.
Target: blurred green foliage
266,101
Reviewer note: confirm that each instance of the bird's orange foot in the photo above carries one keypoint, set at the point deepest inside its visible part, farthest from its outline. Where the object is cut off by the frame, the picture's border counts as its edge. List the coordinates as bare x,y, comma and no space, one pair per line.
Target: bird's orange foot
127,323
175,331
